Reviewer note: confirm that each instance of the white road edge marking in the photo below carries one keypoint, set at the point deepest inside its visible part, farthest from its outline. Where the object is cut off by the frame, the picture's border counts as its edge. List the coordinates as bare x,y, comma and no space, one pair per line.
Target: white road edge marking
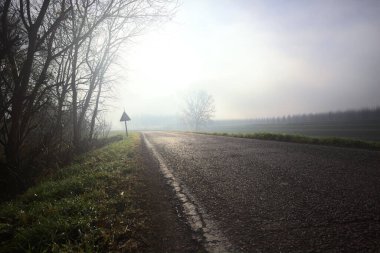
213,240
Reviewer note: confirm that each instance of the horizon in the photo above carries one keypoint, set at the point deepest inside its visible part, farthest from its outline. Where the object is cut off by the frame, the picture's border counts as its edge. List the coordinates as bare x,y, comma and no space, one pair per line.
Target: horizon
257,59
177,119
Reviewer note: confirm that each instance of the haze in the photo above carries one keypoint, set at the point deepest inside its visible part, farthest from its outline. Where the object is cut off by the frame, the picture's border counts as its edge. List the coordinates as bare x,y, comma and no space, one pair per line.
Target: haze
256,58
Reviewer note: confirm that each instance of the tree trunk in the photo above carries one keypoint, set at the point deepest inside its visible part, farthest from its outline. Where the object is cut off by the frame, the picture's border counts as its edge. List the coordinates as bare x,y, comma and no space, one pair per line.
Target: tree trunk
76,127
92,127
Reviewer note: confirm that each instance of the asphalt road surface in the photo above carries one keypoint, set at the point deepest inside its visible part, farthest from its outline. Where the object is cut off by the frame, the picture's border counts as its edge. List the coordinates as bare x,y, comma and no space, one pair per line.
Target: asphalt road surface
269,196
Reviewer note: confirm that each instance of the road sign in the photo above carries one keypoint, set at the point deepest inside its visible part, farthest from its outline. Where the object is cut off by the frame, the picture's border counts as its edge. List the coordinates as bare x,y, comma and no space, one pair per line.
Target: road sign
125,118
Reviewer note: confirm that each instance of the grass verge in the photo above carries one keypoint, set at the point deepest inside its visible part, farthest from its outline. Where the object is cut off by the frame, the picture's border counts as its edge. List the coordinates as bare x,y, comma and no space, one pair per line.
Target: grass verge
85,207
329,141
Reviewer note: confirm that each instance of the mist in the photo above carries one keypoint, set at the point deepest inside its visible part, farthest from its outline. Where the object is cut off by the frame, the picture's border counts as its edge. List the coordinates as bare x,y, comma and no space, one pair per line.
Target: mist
256,58
192,125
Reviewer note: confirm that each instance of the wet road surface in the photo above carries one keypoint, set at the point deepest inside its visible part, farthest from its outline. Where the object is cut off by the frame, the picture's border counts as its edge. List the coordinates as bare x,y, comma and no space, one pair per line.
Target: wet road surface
269,196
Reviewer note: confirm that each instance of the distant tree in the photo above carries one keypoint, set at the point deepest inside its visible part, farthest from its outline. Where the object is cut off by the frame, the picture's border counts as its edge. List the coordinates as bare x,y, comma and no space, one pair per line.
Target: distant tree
199,109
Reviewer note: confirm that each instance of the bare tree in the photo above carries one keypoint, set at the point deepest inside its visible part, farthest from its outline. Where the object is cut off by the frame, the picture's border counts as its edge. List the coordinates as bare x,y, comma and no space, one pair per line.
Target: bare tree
54,58
26,24
199,109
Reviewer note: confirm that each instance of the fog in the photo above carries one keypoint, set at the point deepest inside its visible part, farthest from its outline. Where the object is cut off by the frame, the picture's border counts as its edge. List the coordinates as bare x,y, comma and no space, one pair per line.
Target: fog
256,58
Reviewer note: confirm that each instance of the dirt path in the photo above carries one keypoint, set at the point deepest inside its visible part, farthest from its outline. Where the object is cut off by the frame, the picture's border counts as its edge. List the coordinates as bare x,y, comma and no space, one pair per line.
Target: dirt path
168,229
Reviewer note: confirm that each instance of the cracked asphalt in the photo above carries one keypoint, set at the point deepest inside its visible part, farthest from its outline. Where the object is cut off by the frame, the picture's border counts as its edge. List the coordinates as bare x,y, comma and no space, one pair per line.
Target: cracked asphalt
269,196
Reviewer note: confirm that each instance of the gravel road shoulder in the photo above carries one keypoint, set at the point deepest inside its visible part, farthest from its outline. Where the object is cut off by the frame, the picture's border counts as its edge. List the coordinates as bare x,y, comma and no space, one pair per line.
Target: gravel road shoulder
168,229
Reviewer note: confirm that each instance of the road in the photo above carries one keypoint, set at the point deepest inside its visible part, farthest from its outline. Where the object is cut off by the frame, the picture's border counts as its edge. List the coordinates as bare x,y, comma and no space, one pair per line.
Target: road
268,196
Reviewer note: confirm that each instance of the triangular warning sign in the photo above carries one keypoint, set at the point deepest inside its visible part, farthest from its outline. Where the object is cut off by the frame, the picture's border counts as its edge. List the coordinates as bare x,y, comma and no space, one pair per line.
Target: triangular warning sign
124,117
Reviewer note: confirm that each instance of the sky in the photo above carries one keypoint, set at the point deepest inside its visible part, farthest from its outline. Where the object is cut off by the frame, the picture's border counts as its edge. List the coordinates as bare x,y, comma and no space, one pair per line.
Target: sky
256,58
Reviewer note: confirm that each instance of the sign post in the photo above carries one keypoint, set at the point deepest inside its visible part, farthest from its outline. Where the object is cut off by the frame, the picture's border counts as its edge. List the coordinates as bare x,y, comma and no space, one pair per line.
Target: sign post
125,118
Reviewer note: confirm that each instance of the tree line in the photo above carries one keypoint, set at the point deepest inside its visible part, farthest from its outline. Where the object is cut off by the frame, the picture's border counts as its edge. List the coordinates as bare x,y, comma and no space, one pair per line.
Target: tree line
55,58
371,115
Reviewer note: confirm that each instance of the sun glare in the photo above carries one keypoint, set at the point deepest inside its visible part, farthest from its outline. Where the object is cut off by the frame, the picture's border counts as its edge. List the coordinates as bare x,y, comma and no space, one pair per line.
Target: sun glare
163,64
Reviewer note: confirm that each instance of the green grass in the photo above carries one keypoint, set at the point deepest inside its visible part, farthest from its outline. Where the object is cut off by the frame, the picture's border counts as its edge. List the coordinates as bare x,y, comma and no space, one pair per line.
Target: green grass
329,141
119,132
85,207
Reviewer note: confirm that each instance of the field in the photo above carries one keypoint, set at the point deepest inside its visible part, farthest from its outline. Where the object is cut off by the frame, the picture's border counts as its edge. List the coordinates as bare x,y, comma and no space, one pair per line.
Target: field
327,141
369,131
